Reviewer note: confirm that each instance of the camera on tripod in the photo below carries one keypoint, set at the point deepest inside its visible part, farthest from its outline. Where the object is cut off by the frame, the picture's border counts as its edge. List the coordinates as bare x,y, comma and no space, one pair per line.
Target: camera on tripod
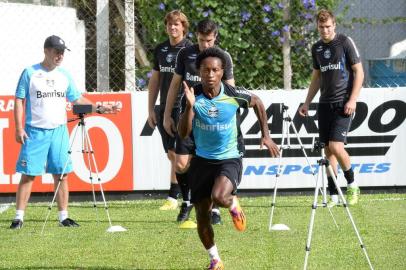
81,109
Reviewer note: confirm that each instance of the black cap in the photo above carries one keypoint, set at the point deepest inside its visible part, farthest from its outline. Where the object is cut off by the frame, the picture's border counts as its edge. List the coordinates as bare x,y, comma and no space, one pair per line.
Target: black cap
55,42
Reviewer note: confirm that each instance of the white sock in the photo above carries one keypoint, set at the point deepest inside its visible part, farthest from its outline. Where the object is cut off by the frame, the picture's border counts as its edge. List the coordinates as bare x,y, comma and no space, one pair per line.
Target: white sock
19,215
62,215
234,203
187,203
172,199
352,185
213,253
215,210
334,198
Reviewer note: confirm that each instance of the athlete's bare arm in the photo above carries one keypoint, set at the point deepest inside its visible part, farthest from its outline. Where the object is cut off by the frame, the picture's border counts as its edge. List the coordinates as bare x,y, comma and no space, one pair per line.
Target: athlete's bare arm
153,90
351,105
260,112
185,122
20,134
313,89
174,88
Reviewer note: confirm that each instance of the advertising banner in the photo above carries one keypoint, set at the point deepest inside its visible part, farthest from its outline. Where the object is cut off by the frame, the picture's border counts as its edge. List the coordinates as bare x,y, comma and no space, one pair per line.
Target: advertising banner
129,154
110,138
376,142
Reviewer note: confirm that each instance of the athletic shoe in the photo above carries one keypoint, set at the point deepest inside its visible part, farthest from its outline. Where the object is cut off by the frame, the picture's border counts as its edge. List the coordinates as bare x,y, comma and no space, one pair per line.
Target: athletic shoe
353,195
215,218
334,201
216,264
16,224
184,212
67,222
188,224
239,220
169,204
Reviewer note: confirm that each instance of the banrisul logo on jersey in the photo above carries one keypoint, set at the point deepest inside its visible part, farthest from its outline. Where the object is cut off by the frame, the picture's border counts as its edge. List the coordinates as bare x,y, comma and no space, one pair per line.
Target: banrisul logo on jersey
50,94
330,66
192,56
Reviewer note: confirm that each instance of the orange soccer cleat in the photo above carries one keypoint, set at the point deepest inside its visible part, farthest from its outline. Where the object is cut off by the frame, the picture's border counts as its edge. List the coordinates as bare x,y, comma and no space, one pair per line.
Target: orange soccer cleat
216,264
239,220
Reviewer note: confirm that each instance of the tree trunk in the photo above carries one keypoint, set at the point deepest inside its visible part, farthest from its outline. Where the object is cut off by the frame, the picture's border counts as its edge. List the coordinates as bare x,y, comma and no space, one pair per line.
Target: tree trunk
287,68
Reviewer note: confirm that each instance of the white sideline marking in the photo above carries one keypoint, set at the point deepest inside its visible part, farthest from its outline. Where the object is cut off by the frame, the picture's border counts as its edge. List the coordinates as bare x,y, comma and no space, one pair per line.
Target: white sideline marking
388,199
120,202
4,207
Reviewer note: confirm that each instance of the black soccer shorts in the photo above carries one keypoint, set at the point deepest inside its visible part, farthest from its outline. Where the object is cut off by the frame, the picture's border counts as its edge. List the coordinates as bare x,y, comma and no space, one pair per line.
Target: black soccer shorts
333,123
202,173
168,142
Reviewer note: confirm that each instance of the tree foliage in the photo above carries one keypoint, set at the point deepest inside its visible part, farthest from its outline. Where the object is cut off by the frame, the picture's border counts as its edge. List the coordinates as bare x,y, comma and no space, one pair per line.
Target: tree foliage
251,31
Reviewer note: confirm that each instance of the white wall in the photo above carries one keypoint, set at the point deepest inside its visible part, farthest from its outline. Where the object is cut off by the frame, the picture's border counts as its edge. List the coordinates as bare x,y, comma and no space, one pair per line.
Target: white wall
24,28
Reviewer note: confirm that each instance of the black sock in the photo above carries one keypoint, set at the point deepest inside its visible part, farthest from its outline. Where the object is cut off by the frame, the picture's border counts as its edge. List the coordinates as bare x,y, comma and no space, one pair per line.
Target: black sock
349,176
174,191
331,187
184,187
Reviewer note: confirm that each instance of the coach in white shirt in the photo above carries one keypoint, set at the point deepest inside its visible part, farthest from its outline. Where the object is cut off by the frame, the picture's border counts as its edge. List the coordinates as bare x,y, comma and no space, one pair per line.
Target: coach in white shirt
41,93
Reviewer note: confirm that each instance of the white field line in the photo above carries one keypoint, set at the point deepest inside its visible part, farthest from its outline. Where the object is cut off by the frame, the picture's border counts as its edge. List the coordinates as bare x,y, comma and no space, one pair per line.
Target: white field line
140,200
387,199
119,202
4,207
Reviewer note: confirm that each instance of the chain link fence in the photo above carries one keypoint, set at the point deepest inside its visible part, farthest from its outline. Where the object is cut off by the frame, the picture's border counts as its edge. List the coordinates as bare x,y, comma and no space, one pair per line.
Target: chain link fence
253,33
379,30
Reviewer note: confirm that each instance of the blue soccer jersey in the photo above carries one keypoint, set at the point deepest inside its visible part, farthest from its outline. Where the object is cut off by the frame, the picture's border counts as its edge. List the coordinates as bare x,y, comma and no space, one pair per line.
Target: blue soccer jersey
214,126
45,93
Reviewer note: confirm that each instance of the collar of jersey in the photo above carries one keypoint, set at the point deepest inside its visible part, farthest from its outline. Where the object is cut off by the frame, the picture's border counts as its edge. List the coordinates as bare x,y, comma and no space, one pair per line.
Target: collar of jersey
220,93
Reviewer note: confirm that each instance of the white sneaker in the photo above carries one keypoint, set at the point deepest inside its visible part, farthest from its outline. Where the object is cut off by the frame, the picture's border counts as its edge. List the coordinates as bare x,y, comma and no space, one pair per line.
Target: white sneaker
169,204
334,201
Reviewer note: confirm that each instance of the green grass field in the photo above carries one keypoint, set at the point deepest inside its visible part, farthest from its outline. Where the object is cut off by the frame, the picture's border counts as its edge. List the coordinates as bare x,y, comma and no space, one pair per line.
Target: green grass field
153,240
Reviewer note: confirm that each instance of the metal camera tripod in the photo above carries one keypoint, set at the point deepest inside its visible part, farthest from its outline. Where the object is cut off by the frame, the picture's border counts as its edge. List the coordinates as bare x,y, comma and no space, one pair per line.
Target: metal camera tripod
286,125
326,166
87,150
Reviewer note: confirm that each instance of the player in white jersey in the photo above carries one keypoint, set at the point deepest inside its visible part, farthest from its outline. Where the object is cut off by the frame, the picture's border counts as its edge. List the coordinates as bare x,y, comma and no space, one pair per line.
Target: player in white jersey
41,93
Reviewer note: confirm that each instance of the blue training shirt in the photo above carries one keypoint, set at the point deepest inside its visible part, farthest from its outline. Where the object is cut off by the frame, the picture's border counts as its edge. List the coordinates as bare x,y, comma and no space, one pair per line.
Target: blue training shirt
214,125
46,93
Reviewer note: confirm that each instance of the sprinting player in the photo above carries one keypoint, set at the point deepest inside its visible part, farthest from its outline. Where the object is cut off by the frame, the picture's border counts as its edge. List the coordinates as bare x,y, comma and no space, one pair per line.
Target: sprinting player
164,65
215,170
338,73
186,70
